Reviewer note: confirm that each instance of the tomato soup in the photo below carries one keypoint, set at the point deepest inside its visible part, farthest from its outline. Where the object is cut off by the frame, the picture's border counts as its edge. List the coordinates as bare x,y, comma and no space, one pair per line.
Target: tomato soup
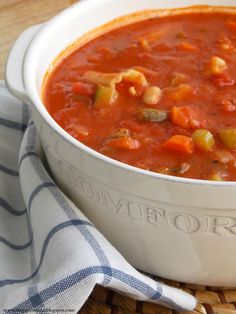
158,94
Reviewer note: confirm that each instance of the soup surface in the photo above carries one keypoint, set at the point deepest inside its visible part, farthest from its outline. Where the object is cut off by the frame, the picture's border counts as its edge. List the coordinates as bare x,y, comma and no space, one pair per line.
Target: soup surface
158,94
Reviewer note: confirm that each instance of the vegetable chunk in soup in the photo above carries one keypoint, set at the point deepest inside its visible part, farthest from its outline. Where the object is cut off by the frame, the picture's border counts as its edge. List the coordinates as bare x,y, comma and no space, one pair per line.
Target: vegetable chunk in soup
158,94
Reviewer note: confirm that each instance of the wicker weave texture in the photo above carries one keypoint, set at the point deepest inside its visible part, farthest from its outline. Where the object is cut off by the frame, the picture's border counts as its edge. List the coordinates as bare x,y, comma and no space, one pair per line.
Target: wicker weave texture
210,301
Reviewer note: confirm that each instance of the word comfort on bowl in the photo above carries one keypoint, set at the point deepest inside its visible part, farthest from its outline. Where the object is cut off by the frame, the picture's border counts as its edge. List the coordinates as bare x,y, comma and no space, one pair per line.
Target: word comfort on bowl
138,126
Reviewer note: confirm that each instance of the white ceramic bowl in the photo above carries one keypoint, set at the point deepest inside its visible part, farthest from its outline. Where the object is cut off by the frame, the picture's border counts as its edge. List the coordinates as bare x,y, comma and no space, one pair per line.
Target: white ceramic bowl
177,228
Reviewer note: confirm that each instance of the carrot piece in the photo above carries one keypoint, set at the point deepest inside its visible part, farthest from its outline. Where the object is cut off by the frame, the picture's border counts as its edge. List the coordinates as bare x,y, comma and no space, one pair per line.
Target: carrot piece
124,143
84,89
186,46
179,143
180,92
180,116
183,117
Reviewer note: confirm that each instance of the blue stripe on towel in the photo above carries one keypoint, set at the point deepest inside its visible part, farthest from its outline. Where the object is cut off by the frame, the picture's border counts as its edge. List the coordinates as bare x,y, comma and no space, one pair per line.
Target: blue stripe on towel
9,171
25,114
15,246
12,124
32,289
96,261
79,276
50,235
26,155
5,205
63,203
38,189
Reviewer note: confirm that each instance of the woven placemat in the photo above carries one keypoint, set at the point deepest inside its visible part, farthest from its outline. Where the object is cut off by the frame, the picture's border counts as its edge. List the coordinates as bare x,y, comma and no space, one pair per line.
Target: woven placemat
210,301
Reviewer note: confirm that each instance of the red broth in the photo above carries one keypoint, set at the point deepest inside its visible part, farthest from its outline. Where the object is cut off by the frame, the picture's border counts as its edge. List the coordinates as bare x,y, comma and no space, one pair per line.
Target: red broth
158,94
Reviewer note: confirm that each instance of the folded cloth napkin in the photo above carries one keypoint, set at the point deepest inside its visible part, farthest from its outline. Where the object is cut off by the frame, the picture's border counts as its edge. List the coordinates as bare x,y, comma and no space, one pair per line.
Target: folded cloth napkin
51,255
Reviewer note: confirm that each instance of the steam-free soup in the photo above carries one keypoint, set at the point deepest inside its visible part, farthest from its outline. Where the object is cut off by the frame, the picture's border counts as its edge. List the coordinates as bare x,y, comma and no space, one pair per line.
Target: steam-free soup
157,94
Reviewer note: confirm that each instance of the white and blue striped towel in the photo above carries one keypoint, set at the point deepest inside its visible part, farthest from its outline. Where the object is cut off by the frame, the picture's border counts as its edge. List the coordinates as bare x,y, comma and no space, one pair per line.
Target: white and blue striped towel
51,257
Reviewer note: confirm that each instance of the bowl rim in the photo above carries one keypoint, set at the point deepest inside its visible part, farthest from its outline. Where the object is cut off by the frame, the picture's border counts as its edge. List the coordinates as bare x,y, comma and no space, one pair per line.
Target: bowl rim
36,101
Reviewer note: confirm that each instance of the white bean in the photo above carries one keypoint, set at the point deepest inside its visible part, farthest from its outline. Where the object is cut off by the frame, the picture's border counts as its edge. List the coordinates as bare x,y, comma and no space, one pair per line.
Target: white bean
217,65
152,95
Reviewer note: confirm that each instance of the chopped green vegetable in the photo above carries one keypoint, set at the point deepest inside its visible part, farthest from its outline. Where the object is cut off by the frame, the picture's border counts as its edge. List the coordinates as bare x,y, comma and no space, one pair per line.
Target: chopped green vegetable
228,137
105,96
153,115
203,139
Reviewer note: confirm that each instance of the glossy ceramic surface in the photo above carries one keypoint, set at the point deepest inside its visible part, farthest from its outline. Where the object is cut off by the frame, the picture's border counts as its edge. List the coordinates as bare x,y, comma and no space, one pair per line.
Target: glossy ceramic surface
177,228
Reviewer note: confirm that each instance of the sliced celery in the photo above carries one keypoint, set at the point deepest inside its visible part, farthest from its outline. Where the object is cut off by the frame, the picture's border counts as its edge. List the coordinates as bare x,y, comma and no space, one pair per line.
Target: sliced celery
203,139
105,96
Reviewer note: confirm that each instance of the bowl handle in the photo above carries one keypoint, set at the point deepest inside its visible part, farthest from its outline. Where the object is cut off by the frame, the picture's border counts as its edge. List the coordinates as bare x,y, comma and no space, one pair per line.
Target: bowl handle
15,61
